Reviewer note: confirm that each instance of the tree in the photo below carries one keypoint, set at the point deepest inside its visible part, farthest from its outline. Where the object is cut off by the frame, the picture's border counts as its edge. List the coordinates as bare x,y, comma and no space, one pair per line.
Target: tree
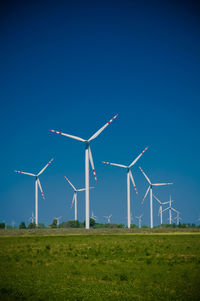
134,226
32,226
41,226
92,222
22,225
54,223
2,225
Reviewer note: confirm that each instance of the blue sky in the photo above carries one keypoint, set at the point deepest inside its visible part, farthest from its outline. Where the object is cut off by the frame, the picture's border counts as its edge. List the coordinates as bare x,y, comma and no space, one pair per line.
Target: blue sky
71,66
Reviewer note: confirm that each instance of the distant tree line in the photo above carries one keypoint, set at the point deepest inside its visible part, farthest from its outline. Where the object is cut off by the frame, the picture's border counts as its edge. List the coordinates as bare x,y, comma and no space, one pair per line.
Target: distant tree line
93,224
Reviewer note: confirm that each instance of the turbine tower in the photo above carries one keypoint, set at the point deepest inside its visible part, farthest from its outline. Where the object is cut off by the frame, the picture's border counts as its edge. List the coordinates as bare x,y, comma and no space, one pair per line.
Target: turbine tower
139,220
37,183
88,157
129,175
74,200
151,199
160,211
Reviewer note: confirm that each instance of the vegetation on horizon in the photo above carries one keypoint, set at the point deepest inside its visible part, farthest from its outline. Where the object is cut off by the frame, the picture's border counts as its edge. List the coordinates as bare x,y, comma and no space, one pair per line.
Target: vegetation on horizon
93,224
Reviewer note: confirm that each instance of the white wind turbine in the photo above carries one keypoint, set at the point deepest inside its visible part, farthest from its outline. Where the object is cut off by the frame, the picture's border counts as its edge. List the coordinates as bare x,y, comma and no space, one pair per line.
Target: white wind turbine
94,217
140,220
37,183
178,218
74,200
170,210
58,220
32,218
160,211
129,175
151,199
88,157
108,218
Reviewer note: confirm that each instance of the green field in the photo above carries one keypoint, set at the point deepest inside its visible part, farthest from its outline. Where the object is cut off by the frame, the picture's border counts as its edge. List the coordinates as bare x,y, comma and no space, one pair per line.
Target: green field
100,267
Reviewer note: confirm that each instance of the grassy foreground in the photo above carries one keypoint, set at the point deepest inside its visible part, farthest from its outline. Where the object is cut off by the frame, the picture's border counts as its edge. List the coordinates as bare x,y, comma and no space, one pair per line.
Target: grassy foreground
100,267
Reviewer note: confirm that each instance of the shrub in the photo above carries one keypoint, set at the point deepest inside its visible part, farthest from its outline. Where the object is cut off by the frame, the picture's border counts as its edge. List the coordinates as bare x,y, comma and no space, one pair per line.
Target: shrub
22,225
2,225
32,226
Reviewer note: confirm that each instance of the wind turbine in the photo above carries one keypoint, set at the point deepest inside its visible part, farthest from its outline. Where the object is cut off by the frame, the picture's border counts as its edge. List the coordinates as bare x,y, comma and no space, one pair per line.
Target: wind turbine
108,217
74,200
160,211
131,217
139,220
151,200
170,210
58,219
37,183
94,217
32,218
178,218
129,175
88,157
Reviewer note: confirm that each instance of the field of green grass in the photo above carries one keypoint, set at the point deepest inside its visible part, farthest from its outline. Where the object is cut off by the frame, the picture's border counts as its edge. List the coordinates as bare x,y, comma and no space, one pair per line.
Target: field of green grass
114,266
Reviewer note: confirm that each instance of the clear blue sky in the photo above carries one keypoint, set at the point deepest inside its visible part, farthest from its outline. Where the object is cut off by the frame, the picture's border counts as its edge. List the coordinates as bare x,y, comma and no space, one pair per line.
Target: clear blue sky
73,65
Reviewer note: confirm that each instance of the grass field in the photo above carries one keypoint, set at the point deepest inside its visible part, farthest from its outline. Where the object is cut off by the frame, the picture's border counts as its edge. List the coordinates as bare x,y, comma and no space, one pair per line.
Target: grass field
100,267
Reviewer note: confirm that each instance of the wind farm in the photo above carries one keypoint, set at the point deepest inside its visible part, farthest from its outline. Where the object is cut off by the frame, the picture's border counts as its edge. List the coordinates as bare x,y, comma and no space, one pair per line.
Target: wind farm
110,90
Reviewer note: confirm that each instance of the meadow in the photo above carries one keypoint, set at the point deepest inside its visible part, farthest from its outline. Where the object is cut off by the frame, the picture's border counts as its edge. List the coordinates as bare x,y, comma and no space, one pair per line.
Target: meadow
58,265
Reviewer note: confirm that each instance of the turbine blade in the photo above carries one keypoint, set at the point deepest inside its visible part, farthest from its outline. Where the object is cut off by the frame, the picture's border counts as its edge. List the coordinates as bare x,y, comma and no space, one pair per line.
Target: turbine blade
159,211
43,169
114,164
157,199
83,189
146,194
174,210
70,183
92,163
138,157
73,200
131,176
162,184
166,209
70,136
145,175
39,184
25,173
101,129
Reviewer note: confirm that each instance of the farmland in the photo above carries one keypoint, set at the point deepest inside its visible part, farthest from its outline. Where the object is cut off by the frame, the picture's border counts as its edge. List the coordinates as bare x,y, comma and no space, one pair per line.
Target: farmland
111,266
